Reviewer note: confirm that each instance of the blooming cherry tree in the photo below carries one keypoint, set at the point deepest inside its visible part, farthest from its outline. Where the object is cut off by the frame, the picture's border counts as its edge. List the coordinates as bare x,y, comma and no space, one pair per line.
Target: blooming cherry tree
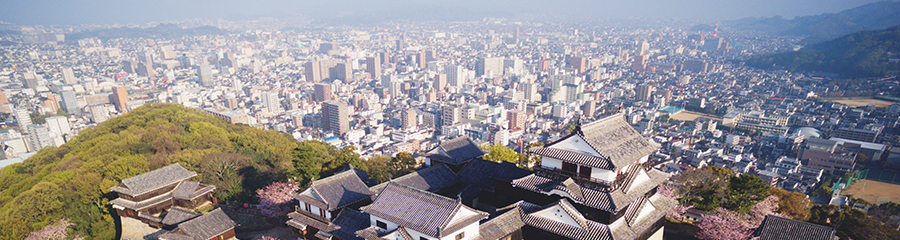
275,199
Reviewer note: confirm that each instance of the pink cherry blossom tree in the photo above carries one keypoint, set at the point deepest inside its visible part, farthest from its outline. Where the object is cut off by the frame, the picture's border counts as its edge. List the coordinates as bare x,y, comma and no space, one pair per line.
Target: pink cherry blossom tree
53,231
677,213
275,200
723,225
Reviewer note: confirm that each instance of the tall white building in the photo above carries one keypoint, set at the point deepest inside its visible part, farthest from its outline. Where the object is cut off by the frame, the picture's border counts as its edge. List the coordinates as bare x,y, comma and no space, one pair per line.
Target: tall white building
69,76
59,128
70,103
456,75
40,137
204,73
270,102
23,118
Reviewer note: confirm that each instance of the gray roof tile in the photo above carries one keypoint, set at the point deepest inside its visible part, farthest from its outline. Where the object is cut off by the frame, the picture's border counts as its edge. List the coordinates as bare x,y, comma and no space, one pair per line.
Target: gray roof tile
775,227
152,180
459,150
201,228
419,210
337,191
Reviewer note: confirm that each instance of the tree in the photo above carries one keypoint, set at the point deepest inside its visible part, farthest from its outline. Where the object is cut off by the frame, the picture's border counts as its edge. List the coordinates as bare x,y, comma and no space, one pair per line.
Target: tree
791,204
744,191
379,168
851,223
723,225
720,171
500,153
402,164
54,231
275,200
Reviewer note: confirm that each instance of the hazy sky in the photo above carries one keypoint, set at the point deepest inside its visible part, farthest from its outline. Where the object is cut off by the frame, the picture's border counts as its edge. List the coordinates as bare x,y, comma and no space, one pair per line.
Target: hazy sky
133,11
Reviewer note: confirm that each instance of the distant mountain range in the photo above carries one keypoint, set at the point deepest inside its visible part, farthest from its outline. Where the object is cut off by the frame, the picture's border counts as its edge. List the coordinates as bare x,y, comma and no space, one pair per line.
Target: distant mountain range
823,27
862,54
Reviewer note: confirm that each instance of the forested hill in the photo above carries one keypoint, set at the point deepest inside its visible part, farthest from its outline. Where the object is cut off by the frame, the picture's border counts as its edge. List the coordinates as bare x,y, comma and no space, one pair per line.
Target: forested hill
861,54
72,181
822,27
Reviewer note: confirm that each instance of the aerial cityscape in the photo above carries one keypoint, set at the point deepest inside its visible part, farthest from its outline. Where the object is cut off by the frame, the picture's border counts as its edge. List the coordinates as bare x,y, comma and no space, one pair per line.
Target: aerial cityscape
449,120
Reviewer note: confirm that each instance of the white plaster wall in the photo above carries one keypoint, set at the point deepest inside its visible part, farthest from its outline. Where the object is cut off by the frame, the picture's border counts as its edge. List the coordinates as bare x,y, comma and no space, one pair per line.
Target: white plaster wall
603,174
551,162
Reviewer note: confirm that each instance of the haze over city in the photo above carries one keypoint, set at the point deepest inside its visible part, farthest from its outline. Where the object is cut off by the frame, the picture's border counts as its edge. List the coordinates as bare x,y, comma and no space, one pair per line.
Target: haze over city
133,11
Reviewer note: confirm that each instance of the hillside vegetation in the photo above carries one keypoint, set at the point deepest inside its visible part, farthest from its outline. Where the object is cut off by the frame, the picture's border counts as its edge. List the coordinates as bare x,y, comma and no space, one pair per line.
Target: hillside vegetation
72,181
823,27
861,54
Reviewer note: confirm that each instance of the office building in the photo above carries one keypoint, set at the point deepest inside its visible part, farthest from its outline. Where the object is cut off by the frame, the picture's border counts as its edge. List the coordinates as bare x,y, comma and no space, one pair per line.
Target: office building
336,117
409,119
456,75
204,73
120,98
579,64
640,63
440,82
516,119
373,67
489,66
23,118
69,76
69,102
40,137
322,92
643,92
270,102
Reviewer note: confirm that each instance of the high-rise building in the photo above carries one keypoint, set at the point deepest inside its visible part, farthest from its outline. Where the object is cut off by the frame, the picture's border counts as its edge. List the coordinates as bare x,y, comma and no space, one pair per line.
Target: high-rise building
640,63
323,92
409,119
99,113
336,117
270,102
23,118
643,48
531,93
396,89
440,81
373,67
695,66
489,66
145,69
30,80
589,108
59,128
516,119
450,115
3,99
129,66
342,71
456,75
120,98
69,76
578,63
421,60
643,92
311,70
40,136
204,73
325,47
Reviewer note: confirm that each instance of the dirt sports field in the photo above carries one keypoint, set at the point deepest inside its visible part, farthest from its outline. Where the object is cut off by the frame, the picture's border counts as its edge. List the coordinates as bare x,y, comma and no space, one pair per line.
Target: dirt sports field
863,102
871,191
690,116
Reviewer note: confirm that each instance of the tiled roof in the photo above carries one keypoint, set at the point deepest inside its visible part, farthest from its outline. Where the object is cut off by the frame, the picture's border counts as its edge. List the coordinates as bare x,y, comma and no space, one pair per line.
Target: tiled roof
586,229
336,191
177,215
201,228
347,223
456,151
606,199
580,159
501,225
152,180
633,228
775,227
612,137
432,179
419,210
